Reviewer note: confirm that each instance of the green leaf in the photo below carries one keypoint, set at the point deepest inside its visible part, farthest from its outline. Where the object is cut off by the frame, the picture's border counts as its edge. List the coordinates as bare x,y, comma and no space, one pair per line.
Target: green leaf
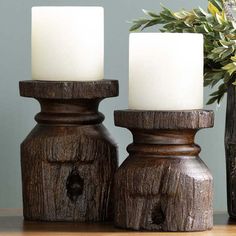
218,4
230,68
227,53
203,12
212,9
233,58
135,27
227,78
150,13
212,100
220,98
141,21
151,23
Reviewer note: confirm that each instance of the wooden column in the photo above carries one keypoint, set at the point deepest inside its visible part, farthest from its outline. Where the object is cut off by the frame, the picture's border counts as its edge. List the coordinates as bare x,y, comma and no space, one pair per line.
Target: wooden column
163,185
230,149
69,159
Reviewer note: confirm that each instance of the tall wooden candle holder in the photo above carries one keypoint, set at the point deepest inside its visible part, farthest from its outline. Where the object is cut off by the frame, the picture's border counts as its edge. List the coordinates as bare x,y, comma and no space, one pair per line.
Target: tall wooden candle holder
68,160
163,185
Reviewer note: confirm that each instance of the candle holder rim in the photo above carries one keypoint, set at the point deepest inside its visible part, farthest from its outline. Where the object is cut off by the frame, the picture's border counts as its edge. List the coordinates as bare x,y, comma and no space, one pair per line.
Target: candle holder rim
169,120
69,89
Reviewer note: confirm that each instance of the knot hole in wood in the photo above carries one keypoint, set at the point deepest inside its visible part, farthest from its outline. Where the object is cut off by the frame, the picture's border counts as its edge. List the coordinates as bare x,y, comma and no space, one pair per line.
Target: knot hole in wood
158,216
74,185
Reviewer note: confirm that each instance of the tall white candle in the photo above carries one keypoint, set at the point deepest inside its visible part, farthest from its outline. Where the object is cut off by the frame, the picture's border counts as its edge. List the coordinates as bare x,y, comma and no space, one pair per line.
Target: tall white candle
166,71
67,43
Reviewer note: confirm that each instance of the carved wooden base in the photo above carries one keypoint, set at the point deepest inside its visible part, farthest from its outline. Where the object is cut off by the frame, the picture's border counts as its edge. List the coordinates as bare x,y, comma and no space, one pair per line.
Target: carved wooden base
68,160
163,185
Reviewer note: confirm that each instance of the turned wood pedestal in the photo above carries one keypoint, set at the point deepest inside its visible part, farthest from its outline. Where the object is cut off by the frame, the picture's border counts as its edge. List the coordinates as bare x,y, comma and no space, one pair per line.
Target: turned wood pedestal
163,185
68,160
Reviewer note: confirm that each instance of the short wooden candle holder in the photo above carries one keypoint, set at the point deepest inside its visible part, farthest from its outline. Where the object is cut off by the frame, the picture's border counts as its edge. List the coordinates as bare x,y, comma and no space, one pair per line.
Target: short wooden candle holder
163,185
68,160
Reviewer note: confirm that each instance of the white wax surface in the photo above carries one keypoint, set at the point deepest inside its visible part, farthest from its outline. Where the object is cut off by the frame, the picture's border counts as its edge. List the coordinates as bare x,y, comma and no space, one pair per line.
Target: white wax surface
68,43
166,71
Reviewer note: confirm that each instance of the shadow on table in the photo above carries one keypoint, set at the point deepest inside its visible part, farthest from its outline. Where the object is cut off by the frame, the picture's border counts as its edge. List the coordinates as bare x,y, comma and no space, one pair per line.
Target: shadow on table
17,224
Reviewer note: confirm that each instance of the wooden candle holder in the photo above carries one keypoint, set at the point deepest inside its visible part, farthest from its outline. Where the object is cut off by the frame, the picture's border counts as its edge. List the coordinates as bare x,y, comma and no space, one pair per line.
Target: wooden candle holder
163,185
68,160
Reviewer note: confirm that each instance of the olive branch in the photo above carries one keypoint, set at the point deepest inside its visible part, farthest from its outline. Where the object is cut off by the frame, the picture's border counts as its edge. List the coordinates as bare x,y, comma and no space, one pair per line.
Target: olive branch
218,26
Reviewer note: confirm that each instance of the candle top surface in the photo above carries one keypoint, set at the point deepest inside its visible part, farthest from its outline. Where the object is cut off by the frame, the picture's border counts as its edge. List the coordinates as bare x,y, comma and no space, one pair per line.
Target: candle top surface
65,7
164,35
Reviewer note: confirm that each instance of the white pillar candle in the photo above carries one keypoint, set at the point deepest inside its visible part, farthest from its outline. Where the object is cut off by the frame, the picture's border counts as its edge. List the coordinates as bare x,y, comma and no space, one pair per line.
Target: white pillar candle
166,71
67,43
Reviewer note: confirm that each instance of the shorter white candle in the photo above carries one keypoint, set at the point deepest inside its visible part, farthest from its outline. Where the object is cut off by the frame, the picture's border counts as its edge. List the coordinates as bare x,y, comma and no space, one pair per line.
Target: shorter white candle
67,43
166,71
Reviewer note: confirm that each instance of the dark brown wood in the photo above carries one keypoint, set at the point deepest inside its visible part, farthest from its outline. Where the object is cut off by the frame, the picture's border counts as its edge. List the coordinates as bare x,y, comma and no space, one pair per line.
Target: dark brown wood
135,119
163,185
69,159
230,150
69,89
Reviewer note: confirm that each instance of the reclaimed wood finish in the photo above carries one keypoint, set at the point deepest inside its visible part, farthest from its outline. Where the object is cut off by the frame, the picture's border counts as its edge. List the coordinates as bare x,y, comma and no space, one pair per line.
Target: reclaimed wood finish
135,119
230,150
69,159
163,185
69,89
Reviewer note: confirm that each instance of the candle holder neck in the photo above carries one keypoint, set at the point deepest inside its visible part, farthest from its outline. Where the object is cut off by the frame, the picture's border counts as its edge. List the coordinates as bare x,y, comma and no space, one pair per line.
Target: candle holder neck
69,112
69,102
164,143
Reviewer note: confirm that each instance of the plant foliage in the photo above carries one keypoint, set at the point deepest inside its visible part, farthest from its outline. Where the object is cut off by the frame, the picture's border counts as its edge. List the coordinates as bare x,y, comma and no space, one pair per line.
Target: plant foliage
218,26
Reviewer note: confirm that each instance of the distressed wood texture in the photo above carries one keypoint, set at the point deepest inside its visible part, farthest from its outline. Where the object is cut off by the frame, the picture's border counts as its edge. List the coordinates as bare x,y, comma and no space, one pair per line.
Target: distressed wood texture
69,159
230,150
163,185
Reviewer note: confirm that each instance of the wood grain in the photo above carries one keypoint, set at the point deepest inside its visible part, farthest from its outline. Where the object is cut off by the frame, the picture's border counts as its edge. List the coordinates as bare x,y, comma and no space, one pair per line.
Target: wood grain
69,159
69,89
163,185
136,119
230,150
